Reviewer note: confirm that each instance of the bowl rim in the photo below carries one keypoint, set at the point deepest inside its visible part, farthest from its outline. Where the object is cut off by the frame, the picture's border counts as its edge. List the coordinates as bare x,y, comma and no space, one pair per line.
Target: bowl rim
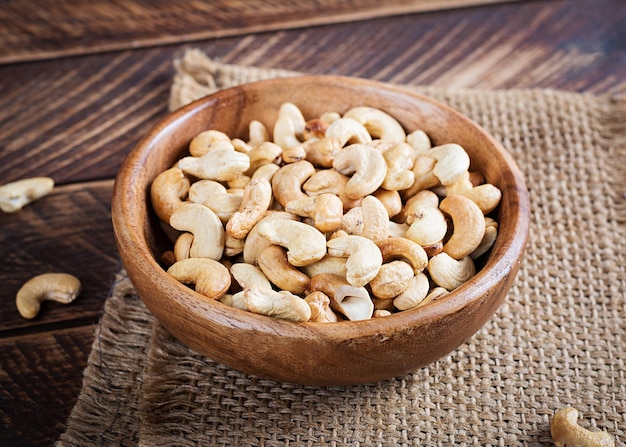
496,269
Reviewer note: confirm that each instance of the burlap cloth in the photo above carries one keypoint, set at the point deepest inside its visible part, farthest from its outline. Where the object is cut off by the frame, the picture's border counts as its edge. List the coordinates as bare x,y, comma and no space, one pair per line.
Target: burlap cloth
559,339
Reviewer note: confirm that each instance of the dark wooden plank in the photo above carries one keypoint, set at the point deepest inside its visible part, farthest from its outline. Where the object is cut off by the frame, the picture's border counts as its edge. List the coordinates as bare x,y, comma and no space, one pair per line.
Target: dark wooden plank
40,379
68,231
83,26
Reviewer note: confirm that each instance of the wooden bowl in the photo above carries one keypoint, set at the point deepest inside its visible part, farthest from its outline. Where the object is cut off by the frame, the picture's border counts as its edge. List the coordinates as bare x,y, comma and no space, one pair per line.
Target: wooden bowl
314,353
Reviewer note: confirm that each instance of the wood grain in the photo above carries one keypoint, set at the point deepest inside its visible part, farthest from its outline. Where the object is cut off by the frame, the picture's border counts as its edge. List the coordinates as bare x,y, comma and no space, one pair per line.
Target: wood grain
31,32
40,378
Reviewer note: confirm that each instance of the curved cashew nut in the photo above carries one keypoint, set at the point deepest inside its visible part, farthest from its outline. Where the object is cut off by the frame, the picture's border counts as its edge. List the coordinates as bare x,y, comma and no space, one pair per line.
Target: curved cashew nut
16,195
235,300
241,146
449,273
367,166
347,130
209,140
428,225
200,190
486,195
287,181
326,210
419,141
60,287
400,159
328,264
282,305
224,205
392,279
273,263
404,249
211,278
304,243
491,232
206,227
257,133
414,294
397,229
320,308
219,164
247,275
168,191
433,295
257,197
364,257
315,128
565,431
232,246
424,177
330,181
469,225
289,126
378,123
263,154
351,301
255,243
266,171
182,246
391,199
375,219
452,162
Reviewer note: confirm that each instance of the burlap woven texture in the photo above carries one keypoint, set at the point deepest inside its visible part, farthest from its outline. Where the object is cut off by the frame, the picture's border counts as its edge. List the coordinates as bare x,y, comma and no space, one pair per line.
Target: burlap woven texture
559,339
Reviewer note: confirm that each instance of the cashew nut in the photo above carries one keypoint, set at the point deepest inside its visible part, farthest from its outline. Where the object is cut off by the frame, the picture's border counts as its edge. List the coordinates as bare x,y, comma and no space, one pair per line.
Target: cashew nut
168,191
16,195
364,257
378,123
232,246
320,308
263,154
391,200
206,227
247,275
400,159
468,222
289,126
428,225
201,190
379,313
273,263
287,181
60,287
210,278
182,246
449,273
283,305
392,279
328,264
315,128
304,243
375,219
565,431
424,177
351,301
219,164
266,171
367,167
404,249
321,151
419,141
347,130
326,210
452,162
224,205
434,294
235,300
255,243
486,195
414,294
330,181
257,197
209,140
491,232
257,133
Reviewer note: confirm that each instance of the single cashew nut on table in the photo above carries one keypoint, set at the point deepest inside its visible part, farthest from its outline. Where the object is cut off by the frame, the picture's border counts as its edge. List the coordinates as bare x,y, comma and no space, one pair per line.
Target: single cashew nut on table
210,278
206,227
16,195
305,244
283,305
364,257
352,302
366,166
566,432
60,287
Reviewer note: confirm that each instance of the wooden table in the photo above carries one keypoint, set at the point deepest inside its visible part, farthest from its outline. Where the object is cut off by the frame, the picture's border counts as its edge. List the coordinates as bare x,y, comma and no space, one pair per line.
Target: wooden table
73,104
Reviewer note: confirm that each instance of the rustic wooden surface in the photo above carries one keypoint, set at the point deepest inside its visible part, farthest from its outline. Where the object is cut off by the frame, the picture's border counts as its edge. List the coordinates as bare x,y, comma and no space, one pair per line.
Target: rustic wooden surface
74,118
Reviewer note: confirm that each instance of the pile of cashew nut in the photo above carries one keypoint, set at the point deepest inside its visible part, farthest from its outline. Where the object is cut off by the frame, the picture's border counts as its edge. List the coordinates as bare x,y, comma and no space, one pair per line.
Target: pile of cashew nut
338,217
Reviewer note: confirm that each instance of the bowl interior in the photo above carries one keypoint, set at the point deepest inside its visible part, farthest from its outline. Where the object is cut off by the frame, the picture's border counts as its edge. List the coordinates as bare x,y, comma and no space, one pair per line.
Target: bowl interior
335,348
